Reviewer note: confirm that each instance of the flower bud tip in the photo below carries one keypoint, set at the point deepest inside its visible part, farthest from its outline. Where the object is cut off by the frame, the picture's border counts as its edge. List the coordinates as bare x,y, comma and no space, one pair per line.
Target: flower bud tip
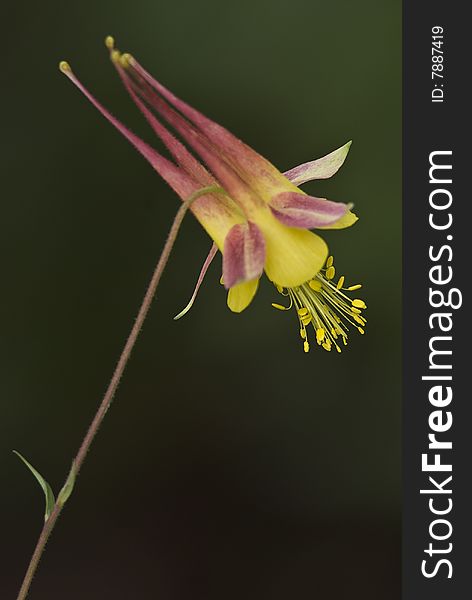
115,56
110,42
64,67
125,59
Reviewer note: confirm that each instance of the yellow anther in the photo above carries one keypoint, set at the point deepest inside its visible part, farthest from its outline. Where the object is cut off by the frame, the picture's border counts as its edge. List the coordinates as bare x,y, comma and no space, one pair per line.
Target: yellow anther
302,311
359,303
330,272
221,280
110,42
355,310
338,348
340,282
303,334
345,341
280,289
329,262
278,306
64,66
320,333
353,288
306,320
315,285
360,330
306,346
327,346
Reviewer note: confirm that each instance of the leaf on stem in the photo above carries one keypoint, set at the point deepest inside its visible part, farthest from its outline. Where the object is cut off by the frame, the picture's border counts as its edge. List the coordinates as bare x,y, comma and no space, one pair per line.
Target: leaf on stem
68,486
48,493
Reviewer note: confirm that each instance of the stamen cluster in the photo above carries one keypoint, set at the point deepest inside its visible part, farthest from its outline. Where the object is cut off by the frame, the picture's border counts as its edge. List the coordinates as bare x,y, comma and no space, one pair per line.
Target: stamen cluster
327,307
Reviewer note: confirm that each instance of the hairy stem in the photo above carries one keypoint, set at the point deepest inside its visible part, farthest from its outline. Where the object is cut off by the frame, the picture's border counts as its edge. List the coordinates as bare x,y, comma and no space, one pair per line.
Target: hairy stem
112,386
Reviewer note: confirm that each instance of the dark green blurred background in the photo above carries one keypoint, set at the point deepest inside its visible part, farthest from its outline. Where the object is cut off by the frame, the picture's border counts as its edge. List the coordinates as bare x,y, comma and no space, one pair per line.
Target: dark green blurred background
232,465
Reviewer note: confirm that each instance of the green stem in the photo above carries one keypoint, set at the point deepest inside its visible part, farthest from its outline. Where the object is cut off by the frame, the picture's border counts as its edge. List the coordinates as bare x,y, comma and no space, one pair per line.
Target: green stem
112,386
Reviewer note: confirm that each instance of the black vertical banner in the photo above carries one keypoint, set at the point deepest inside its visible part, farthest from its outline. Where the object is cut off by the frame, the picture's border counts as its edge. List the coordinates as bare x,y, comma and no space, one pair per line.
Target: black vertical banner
437,408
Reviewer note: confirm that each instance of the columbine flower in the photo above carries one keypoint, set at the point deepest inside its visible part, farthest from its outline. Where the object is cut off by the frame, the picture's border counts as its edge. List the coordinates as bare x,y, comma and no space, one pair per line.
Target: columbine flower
263,220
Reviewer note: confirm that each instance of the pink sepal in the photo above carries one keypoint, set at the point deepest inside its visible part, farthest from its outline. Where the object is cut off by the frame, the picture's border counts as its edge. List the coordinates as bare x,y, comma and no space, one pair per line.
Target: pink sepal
243,254
306,212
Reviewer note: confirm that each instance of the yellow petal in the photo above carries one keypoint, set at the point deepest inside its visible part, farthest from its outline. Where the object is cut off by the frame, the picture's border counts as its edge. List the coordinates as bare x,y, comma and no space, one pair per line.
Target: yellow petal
241,295
345,221
293,256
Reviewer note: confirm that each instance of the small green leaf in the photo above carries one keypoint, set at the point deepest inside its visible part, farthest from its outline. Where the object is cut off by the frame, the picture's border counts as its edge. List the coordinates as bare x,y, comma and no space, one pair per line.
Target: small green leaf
48,493
68,486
